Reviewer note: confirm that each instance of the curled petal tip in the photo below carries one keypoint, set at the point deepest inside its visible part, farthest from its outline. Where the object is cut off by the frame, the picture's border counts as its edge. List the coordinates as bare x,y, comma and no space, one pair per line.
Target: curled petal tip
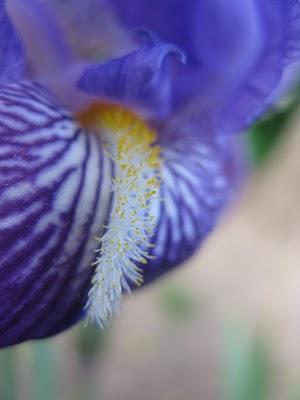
180,54
150,38
140,79
237,52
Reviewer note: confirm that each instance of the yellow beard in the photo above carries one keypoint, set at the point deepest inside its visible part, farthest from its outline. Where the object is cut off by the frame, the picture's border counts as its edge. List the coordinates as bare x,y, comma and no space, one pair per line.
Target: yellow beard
131,144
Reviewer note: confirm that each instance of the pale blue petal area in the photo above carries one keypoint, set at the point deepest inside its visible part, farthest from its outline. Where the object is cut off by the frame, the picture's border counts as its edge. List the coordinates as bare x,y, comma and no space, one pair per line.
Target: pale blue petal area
12,55
289,81
47,51
141,79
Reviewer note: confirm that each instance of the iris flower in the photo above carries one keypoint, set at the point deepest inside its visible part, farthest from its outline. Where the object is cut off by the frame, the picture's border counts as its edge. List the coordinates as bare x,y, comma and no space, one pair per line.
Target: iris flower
115,158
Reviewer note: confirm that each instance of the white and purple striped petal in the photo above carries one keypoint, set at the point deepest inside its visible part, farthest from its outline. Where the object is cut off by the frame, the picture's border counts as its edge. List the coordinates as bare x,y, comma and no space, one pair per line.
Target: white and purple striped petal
55,198
197,185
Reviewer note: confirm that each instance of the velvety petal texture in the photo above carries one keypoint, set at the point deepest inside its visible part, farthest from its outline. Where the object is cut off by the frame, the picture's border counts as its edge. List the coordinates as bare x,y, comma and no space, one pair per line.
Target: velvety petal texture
46,48
56,174
50,59
12,57
55,198
140,79
237,51
198,183
91,28
280,36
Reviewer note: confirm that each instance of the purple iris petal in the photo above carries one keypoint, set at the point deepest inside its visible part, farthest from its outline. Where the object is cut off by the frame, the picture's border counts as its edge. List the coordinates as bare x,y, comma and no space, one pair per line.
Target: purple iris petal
237,51
47,51
198,181
92,28
49,59
280,20
55,197
11,50
141,78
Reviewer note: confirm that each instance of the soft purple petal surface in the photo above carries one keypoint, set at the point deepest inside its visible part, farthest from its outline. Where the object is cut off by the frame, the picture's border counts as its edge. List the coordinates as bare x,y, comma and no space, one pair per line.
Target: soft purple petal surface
237,51
12,57
280,21
92,29
46,48
55,197
141,78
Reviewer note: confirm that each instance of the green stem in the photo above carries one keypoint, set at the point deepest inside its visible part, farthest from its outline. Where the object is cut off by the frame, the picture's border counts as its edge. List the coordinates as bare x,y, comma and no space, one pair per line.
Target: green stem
8,375
44,372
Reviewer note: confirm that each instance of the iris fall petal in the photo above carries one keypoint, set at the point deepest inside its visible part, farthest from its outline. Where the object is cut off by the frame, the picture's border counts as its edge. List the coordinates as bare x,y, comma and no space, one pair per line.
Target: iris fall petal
55,198
129,185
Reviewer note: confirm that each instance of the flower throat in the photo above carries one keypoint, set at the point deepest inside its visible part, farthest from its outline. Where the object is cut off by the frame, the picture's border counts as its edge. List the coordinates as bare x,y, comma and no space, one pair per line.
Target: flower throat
131,144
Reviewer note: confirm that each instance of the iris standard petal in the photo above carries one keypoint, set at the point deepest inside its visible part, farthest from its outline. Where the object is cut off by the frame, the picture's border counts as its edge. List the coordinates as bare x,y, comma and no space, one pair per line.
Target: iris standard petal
280,25
141,78
237,51
55,197
12,57
46,48
220,40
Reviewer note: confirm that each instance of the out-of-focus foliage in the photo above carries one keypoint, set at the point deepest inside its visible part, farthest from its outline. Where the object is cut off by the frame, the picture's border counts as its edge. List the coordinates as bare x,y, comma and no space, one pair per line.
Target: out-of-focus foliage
266,133
177,303
91,341
247,368
8,382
